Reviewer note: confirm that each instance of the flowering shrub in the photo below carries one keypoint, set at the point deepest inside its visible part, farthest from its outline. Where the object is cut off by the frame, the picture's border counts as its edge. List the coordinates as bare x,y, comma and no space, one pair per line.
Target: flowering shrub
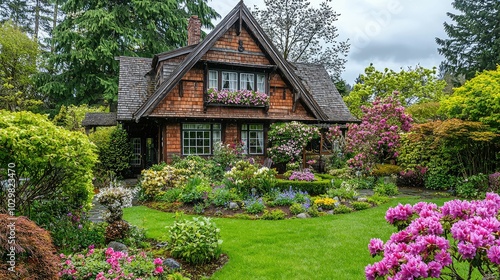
290,196
325,203
376,138
196,241
494,181
432,240
289,139
115,198
304,175
101,264
254,205
412,177
238,97
247,178
347,190
154,183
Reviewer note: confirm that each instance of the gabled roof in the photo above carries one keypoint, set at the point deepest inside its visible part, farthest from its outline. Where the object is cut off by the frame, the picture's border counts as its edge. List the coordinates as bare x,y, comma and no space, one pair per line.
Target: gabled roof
99,119
243,15
316,79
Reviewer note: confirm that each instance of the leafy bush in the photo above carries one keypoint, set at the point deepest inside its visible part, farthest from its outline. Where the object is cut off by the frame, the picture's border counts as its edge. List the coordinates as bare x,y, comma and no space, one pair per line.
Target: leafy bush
381,170
115,198
192,166
57,163
154,183
114,149
347,190
248,178
195,241
313,188
473,187
196,190
360,205
377,199
289,139
225,156
494,182
254,205
70,231
297,208
117,230
313,211
221,196
108,264
343,173
435,180
342,209
35,255
387,189
171,195
276,214
412,177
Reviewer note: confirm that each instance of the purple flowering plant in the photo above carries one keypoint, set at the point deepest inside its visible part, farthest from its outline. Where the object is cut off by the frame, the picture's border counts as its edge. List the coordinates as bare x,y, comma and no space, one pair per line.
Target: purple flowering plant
237,97
289,139
433,241
304,175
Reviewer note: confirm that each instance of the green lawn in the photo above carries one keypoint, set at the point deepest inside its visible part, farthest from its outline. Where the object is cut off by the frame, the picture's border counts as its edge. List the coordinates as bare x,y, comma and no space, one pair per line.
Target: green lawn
329,247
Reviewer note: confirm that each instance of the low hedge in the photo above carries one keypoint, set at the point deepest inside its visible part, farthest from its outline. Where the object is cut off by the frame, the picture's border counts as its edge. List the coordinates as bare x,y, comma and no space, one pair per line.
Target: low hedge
313,188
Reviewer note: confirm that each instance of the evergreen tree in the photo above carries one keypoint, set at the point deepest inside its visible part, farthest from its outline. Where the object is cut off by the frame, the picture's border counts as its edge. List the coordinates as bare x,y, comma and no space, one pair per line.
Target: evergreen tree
83,68
474,38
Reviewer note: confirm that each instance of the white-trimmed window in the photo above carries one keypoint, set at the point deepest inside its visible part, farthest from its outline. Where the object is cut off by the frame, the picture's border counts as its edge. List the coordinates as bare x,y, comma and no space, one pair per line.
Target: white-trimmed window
213,79
230,81
261,82
247,81
252,136
198,138
136,152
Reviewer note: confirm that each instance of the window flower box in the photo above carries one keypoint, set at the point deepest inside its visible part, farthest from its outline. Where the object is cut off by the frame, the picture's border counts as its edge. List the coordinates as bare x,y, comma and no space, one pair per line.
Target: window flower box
243,98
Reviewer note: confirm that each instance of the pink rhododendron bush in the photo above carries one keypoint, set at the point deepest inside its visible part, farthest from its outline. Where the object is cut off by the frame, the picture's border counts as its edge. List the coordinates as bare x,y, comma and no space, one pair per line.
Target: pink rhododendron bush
433,241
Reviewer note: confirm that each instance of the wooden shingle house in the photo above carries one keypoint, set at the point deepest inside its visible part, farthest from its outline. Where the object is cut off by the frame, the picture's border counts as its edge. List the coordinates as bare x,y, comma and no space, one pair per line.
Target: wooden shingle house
182,101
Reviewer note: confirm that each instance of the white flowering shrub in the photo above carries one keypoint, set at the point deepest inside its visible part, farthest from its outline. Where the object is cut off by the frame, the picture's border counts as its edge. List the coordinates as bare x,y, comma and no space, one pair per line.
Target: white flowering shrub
248,178
115,198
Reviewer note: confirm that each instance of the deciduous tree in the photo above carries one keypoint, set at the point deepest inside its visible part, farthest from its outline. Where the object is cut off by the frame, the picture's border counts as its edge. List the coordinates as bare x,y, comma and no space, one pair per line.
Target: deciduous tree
304,34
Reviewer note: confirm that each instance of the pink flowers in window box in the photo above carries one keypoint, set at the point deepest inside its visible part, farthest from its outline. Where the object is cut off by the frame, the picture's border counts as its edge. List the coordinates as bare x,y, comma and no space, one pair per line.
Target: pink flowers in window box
238,97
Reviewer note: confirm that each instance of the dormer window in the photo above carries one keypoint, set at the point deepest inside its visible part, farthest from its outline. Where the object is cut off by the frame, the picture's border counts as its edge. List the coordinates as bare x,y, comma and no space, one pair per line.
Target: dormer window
236,80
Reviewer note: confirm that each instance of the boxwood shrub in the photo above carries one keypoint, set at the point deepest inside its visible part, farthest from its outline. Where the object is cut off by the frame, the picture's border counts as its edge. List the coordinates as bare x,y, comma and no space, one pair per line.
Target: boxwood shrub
313,188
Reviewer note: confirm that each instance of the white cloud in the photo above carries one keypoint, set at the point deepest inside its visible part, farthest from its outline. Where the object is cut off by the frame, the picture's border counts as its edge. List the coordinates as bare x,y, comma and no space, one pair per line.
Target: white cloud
388,33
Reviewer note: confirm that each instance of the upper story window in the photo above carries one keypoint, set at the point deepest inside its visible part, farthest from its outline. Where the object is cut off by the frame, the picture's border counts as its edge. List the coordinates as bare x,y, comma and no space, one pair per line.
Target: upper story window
233,80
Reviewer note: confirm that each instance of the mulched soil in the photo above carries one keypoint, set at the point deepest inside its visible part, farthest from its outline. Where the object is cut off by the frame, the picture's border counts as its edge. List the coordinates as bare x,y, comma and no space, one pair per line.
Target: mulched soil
196,272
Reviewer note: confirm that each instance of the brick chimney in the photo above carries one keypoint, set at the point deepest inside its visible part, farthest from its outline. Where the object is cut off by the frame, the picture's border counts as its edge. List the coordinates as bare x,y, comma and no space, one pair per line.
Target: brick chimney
194,30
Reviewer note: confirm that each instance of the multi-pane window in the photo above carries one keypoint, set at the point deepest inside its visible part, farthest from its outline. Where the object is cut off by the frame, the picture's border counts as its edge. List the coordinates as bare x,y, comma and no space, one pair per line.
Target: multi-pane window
261,82
213,79
252,136
136,152
198,138
236,80
247,81
230,80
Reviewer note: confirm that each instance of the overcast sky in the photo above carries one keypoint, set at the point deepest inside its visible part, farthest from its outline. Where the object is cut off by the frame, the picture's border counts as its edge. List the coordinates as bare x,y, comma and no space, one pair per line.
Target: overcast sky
391,34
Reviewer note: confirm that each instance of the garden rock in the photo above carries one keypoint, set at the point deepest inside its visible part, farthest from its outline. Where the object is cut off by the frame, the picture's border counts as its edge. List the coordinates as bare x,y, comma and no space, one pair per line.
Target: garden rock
303,216
117,246
330,212
171,263
233,206
363,199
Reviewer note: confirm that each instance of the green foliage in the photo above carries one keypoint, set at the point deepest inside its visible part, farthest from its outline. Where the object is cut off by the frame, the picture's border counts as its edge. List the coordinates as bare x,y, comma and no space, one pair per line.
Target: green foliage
195,241
170,195
18,57
254,205
276,214
155,183
221,196
115,152
360,205
467,48
382,170
248,178
195,191
477,100
224,156
386,189
313,211
297,208
377,199
342,209
415,86
71,117
425,112
57,162
312,187
289,139
347,190
303,33
197,166
436,180
83,69
70,231
473,187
